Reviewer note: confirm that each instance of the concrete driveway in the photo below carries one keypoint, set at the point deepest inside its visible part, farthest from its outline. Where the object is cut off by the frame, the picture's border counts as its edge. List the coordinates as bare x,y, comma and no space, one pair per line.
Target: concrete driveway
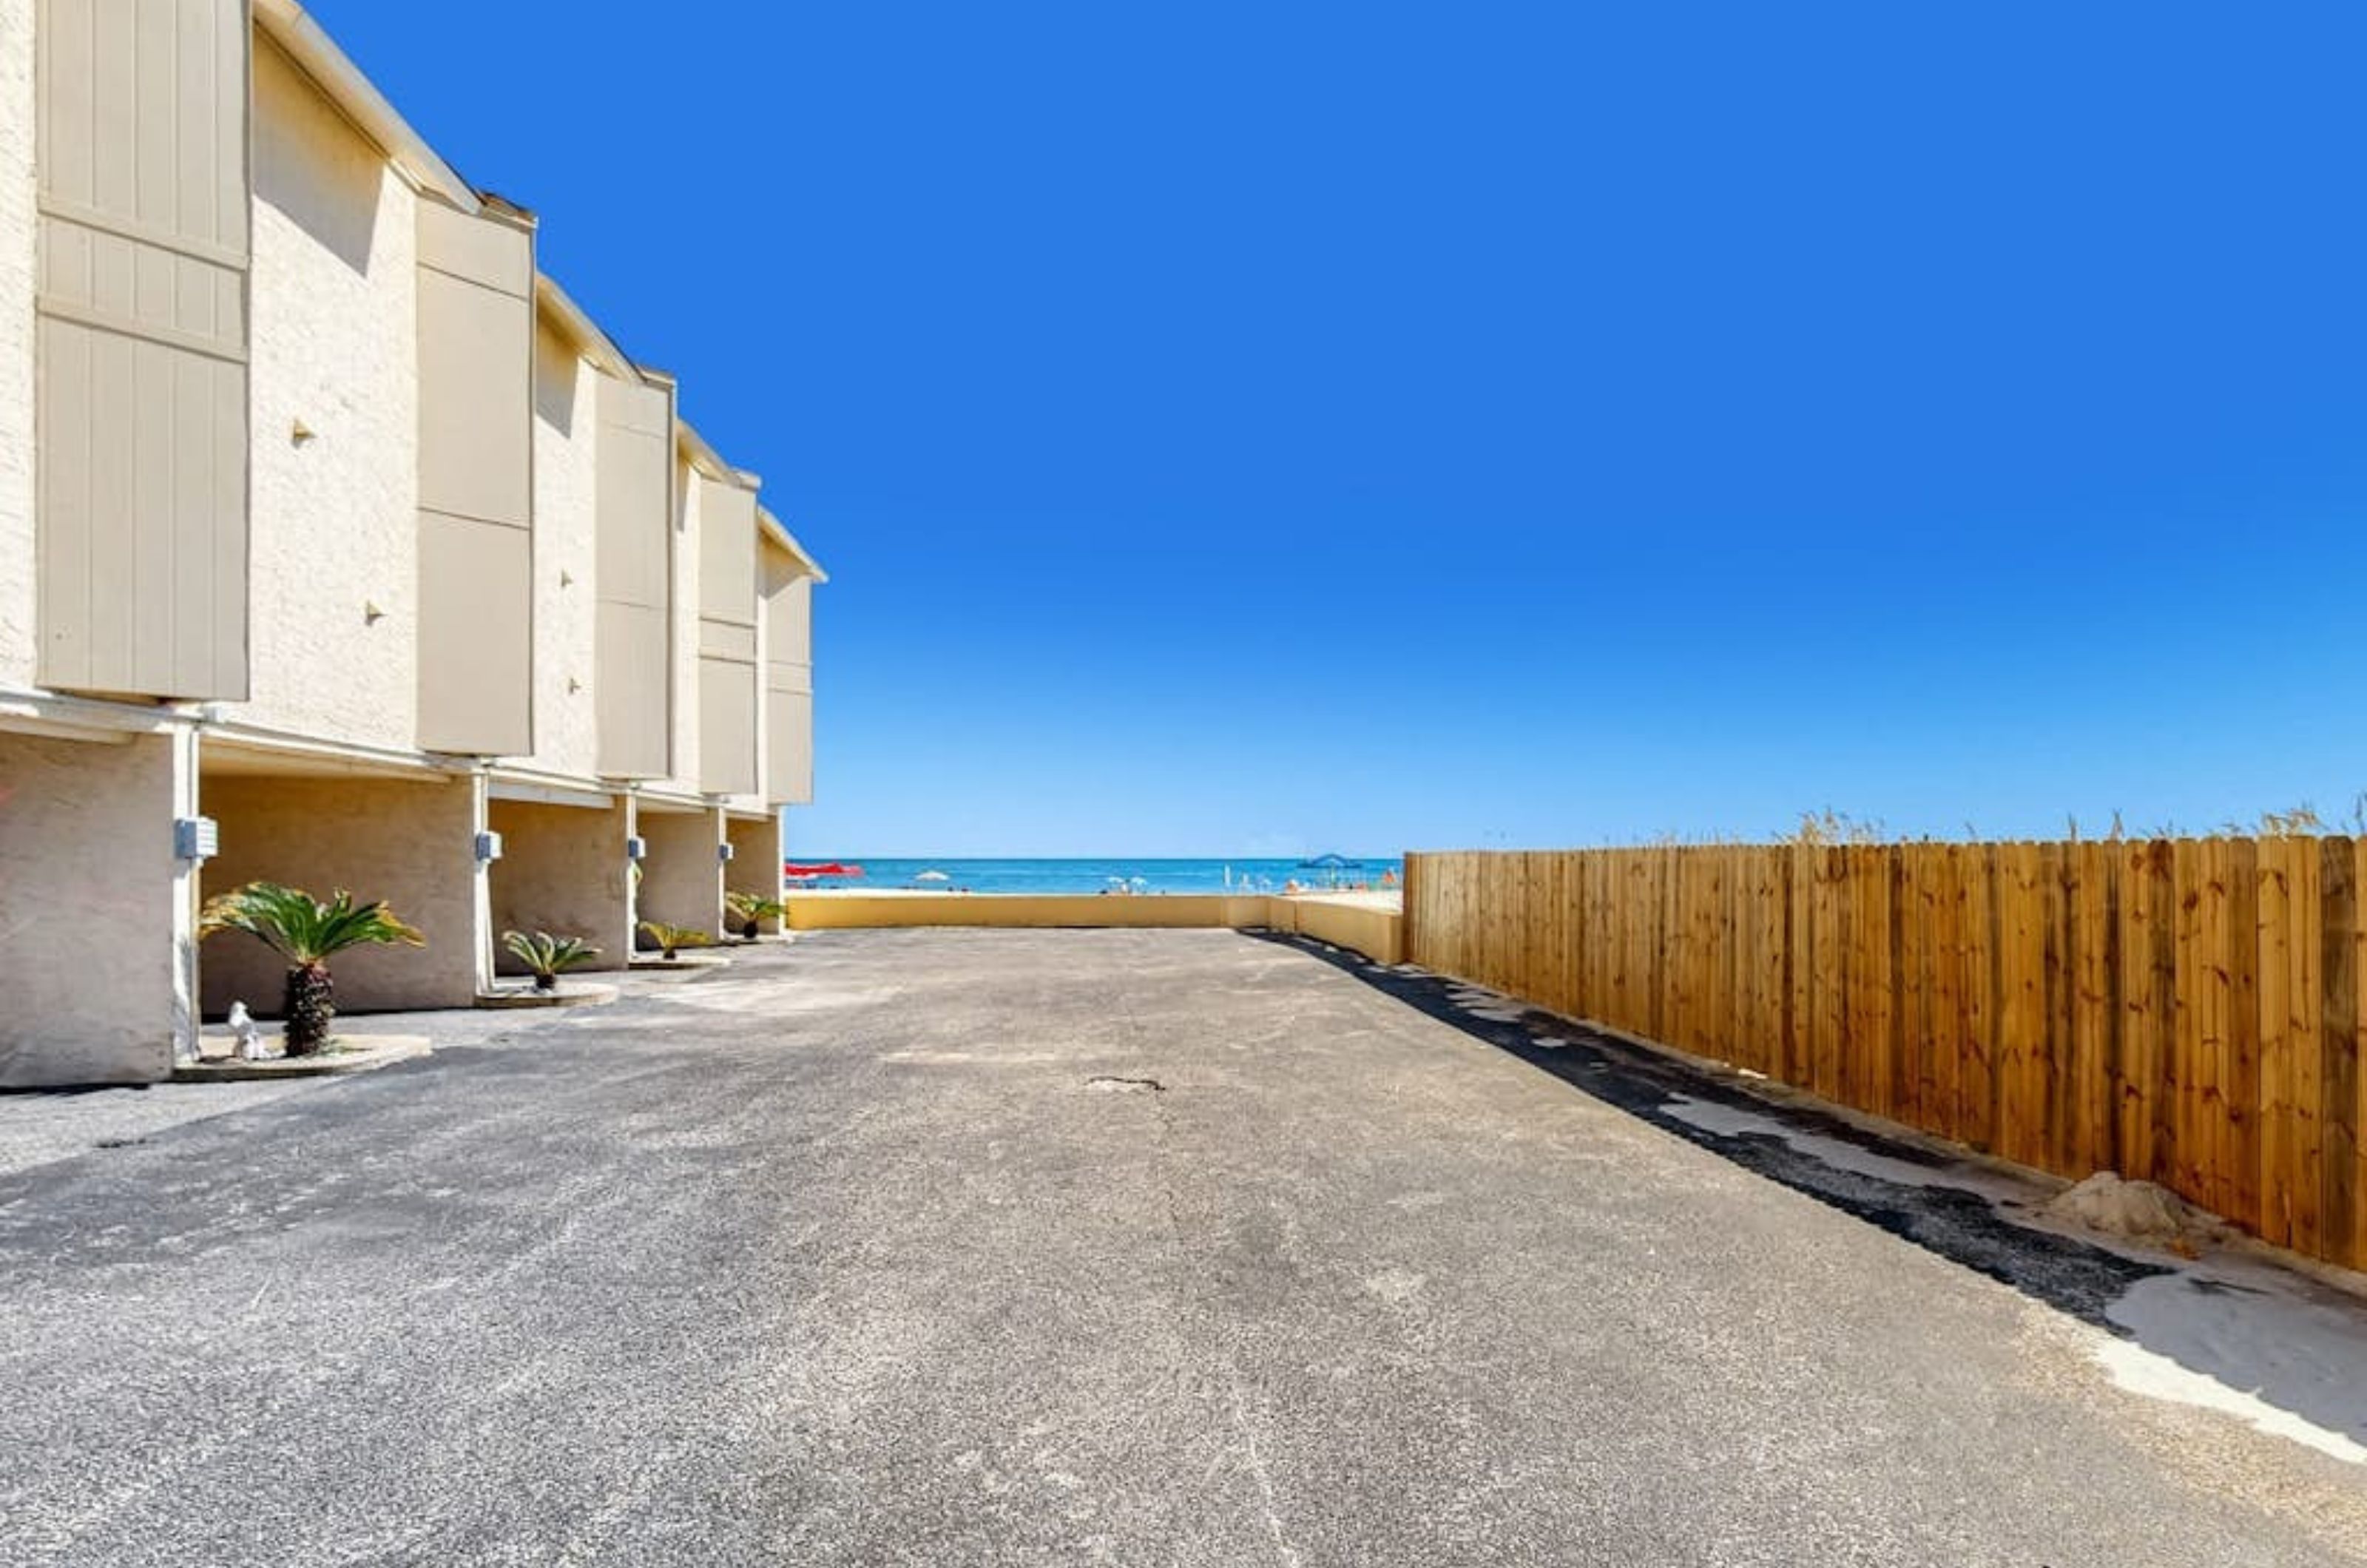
979,1247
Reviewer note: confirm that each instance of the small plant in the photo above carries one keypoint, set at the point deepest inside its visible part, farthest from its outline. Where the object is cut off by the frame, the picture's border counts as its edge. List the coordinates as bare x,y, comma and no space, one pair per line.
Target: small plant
548,956
749,910
1829,827
307,932
670,939
2301,822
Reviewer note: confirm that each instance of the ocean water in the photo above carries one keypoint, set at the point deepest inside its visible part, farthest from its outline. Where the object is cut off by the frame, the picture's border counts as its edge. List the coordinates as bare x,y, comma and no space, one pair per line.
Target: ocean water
1099,876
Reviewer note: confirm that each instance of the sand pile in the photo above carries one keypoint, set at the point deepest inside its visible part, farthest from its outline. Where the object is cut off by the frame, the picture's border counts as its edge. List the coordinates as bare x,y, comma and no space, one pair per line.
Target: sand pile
2134,1211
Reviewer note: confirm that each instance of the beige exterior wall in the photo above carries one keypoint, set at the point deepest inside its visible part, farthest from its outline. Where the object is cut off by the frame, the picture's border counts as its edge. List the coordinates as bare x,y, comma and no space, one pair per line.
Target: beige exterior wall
564,871
296,403
410,842
335,512
566,552
17,647
93,926
681,880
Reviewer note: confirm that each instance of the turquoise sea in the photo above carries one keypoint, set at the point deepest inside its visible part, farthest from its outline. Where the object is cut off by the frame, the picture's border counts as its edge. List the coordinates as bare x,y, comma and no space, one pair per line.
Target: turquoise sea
1103,875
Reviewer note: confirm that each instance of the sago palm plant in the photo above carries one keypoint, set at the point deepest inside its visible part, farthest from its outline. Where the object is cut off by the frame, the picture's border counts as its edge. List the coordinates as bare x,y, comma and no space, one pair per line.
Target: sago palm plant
548,956
671,938
307,932
749,910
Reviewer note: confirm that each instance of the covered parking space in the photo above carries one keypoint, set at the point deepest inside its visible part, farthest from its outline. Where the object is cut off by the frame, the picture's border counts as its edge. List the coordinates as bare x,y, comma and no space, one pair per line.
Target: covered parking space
403,832
563,868
756,865
681,866
97,905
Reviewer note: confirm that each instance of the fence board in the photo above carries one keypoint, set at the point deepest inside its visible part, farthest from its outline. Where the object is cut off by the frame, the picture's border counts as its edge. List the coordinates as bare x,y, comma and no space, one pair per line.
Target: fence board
2189,1011
2338,1049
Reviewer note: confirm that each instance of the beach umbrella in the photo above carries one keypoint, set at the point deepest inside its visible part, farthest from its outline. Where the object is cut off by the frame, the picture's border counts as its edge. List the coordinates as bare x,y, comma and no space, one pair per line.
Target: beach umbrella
1334,867
933,876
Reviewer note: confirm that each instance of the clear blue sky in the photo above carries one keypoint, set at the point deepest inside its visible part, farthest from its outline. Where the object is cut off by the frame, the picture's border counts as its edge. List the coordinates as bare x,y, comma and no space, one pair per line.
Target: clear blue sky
1256,427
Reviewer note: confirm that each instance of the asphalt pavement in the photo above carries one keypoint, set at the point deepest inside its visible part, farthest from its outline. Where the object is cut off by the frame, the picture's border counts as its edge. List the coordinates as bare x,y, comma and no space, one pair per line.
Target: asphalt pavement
1018,1248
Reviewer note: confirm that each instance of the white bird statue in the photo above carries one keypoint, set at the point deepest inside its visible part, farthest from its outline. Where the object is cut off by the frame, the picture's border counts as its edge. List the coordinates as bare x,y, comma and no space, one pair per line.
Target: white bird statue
250,1047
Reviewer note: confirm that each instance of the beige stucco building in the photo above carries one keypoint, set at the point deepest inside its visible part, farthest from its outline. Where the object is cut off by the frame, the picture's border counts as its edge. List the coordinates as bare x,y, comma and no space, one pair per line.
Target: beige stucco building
339,547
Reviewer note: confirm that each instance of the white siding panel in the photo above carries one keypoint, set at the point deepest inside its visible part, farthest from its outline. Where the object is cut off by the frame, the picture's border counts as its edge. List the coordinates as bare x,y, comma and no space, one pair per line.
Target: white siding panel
143,498
789,727
788,682
727,553
20,249
635,493
487,252
476,484
633,658
141,379
473,580
476,379
729,701
727,725
633,642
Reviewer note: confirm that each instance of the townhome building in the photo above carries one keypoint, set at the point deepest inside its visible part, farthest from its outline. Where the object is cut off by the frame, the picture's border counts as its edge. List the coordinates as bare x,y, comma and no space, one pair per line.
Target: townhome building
339,547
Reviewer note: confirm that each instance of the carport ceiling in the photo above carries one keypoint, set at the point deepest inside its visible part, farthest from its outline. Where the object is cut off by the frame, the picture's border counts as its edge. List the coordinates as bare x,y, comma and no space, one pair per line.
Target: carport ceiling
229,759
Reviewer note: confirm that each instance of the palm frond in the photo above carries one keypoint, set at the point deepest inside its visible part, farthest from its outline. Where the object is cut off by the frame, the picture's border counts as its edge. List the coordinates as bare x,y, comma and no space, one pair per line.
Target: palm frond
301,928
668,938
547,956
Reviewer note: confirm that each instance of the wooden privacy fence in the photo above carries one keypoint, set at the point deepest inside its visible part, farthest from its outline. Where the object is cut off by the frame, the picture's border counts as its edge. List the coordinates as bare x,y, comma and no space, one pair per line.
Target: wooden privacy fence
2186,1011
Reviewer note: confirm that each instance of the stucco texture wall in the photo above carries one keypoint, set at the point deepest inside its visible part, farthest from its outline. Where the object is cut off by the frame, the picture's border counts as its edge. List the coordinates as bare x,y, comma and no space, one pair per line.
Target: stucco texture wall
17,648
412,845
335,350
87,927
564,871
566,610
681,880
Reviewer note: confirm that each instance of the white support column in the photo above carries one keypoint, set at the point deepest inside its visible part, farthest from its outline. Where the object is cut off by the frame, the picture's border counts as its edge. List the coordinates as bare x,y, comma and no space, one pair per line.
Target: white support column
635,870
481,894
96,921
188,894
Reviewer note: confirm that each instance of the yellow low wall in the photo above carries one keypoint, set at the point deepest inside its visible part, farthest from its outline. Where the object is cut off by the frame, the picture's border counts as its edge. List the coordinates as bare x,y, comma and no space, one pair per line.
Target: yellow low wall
1375,932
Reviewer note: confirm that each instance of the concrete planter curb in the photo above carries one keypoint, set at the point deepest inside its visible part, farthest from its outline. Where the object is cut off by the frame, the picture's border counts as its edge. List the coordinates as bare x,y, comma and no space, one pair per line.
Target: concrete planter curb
682,961
359,1054
566,995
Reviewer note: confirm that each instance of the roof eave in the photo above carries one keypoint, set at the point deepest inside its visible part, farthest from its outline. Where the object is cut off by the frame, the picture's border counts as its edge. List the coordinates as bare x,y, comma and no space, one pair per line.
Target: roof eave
590,337
354,93
775,530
